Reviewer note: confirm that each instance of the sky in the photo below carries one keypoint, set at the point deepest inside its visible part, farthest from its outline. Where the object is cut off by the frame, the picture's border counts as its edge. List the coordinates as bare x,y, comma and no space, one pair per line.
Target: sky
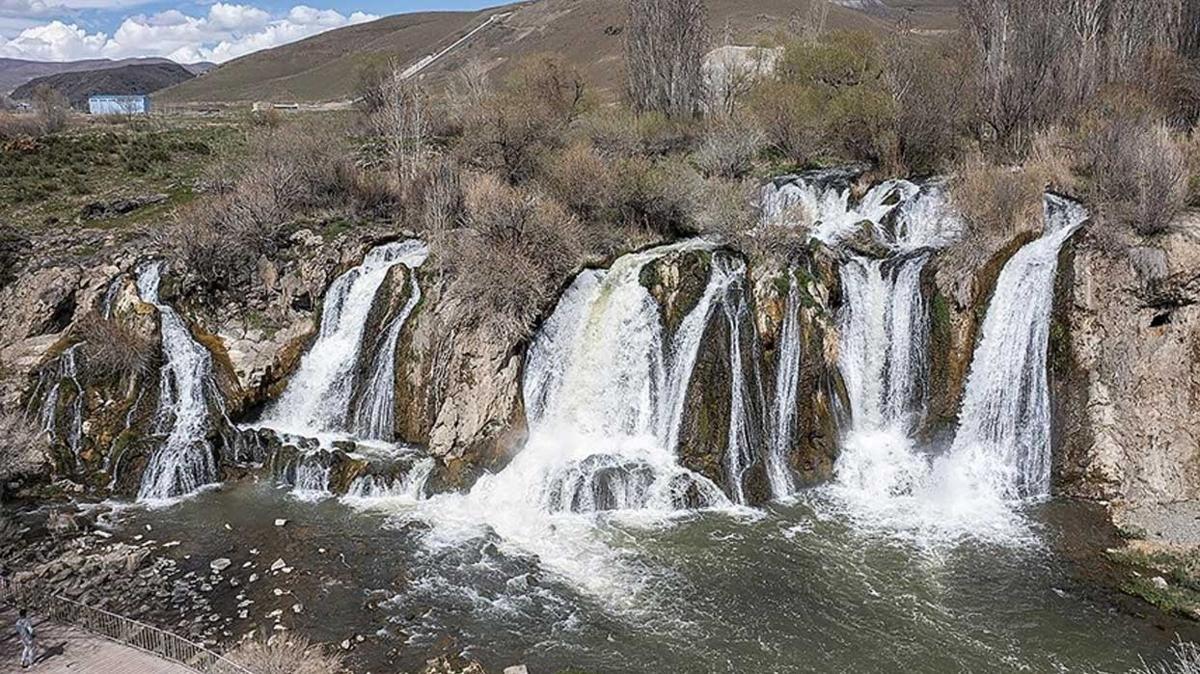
187,32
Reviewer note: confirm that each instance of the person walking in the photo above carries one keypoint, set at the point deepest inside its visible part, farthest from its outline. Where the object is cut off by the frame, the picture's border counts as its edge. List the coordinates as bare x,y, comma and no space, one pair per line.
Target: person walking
28,640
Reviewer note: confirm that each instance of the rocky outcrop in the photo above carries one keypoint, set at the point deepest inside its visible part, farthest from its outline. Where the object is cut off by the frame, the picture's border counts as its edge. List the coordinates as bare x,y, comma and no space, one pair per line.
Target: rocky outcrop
959,283
1125,370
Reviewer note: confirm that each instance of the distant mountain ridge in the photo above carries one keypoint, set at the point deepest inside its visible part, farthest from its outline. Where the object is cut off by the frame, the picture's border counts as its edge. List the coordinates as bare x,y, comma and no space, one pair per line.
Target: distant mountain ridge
15,72
141,78
587,33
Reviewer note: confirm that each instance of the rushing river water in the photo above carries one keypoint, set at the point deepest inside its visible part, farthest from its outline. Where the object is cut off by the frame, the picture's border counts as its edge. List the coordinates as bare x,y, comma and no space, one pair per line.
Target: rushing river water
793,588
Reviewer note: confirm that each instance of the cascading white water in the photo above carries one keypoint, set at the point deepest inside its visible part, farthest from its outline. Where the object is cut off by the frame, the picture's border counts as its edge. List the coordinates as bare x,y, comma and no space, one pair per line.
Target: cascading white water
739,451
376,414
603,391
826,209
312,479
1003,439
604,395
186,460
884,329
787,385
409,487
66,372
317,400
1001,451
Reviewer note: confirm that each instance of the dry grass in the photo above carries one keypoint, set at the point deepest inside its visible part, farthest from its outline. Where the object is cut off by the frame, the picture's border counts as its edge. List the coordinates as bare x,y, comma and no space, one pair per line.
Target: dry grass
290,654
1185,660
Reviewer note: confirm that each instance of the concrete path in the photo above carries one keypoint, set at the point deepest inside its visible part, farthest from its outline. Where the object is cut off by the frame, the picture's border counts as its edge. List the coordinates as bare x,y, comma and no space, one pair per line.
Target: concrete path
64,649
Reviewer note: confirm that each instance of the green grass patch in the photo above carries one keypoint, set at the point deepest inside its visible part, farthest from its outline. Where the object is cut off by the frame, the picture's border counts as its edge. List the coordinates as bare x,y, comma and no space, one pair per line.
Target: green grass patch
51,180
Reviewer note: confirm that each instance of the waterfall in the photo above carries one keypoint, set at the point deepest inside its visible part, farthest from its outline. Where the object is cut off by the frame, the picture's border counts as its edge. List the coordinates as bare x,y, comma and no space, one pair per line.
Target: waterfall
787,385
186,460
375,418
884,327
318,398
312,479
739,453
604,394
1003,438
824,205
67,371
604,391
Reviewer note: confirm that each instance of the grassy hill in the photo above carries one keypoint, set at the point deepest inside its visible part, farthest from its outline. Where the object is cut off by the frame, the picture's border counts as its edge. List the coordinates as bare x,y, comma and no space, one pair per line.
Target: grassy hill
132,79
589,33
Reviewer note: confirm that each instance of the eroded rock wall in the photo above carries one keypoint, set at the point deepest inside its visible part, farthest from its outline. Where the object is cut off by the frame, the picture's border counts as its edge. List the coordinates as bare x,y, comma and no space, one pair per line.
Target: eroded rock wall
1125,370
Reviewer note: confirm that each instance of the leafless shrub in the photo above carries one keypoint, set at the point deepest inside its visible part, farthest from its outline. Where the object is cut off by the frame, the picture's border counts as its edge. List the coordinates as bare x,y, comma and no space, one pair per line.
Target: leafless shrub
582,180
997,201
729,147
613,132
928,85
442,202
52,109
15,126
113,350
285,172
659,196
516,249
290,654
1139,172
664,55
789,115
726,208
512,131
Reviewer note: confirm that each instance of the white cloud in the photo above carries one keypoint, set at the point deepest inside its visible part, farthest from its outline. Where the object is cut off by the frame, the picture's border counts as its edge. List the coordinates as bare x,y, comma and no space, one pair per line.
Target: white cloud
227,31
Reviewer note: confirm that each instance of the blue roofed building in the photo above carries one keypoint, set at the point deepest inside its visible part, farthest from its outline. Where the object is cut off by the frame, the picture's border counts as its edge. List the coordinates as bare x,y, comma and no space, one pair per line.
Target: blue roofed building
117,104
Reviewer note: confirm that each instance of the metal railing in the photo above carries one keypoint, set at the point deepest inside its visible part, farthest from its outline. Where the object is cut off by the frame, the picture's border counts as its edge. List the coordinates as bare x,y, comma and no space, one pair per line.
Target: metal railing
143,637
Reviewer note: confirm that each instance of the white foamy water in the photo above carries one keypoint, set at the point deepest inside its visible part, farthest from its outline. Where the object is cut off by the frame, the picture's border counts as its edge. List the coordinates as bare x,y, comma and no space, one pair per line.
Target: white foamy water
186,460
1003,440
604,388
1001,452
787,385
827,209
317,400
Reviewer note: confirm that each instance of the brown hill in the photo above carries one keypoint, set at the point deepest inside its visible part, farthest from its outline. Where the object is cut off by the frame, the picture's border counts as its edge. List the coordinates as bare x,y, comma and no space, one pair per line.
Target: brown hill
15,72
589,33
133,79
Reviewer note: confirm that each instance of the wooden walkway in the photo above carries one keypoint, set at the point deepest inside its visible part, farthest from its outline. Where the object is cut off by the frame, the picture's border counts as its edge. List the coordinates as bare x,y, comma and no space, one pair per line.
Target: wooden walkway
63,649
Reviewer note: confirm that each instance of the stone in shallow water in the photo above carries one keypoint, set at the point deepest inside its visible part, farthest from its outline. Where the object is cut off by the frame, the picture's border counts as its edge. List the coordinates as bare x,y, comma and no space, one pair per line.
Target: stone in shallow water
219,565
280,522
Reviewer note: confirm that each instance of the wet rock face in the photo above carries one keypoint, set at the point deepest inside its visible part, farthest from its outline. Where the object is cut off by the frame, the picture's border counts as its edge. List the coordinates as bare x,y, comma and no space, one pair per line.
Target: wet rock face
958,284
1125,371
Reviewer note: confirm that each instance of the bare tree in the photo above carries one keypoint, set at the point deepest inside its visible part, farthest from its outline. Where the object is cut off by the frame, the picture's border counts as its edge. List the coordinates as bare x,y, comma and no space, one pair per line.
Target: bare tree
664,53
52,108
1017,46
401,120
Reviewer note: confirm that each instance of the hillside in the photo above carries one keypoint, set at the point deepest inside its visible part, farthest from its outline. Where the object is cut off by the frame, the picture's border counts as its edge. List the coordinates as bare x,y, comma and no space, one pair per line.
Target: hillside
132,79
587,32
15,72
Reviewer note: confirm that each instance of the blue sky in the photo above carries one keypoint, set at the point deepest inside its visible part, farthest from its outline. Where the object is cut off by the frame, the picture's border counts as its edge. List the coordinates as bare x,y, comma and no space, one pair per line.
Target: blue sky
59,30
